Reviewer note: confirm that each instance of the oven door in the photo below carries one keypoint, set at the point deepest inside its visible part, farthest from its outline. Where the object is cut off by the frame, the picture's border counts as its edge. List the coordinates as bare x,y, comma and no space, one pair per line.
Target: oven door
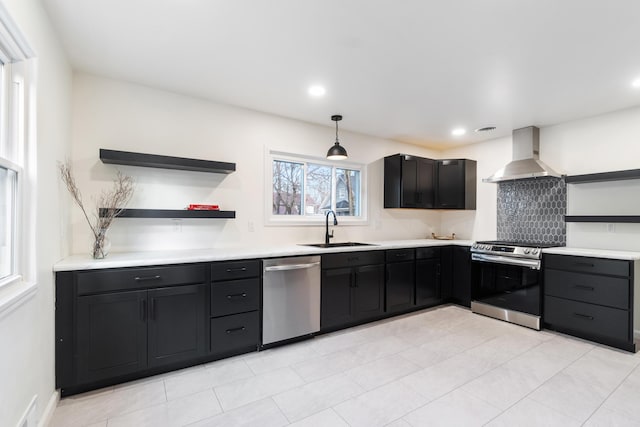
510,286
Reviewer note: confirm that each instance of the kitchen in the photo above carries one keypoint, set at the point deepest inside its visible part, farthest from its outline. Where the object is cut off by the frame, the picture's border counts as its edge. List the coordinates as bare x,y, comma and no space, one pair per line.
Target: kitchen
81,112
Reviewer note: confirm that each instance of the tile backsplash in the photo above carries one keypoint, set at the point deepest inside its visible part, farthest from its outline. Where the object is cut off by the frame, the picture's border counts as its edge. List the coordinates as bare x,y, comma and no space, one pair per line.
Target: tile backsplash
532,210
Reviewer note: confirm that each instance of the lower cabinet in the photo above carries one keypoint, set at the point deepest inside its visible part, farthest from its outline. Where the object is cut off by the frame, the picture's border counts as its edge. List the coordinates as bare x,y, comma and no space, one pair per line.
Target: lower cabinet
428,275
352,288
235,300
590,298
125,332
461,275
400,284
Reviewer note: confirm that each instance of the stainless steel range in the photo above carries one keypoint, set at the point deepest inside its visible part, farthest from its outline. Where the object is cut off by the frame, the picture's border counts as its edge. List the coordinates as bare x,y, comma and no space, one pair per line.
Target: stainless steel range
506,281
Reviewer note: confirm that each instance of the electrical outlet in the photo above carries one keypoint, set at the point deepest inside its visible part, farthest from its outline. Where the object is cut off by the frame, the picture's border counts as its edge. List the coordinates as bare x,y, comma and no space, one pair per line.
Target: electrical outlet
251,227
611,228
177,225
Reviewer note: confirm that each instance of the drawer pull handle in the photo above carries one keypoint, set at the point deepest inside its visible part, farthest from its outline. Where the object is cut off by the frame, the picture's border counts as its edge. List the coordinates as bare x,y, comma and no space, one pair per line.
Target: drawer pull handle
584,287
585,264
242,295
584,316
146,278
352,259
236,270
234,330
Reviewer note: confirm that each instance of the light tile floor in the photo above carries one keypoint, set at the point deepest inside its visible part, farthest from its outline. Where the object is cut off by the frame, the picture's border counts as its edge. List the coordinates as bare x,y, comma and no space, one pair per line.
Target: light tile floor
444,366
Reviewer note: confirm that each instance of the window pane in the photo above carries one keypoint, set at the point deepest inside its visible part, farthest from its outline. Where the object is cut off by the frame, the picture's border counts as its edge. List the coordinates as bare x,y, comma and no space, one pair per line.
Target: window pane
347,192
287,188
317,198
8,183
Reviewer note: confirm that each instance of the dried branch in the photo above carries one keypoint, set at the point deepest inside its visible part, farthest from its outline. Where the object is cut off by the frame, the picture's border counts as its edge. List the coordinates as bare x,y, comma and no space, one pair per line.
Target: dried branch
112,202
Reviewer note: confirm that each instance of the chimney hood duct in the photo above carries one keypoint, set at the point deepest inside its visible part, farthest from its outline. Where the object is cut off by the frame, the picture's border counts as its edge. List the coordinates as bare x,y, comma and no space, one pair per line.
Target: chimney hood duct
526,161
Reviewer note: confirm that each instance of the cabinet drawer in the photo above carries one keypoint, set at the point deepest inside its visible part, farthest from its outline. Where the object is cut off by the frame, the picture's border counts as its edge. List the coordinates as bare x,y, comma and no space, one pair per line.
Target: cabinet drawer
423,253
234,333
235,270
396,255
94,282
350,259
591,288
587,318
236,296
613,267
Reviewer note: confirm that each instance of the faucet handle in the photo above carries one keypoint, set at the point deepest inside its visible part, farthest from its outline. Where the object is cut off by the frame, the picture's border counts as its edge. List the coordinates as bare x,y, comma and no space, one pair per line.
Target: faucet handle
331,234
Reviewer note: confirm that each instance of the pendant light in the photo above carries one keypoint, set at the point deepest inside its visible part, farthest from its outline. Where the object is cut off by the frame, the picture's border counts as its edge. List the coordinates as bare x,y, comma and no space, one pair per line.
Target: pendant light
337,152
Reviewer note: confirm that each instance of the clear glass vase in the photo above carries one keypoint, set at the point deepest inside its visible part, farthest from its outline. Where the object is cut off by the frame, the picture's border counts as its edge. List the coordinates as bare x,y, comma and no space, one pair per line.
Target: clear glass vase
101,245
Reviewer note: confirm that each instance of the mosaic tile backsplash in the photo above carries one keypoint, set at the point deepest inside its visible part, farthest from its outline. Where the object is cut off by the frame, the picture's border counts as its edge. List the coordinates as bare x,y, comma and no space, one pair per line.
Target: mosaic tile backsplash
532,210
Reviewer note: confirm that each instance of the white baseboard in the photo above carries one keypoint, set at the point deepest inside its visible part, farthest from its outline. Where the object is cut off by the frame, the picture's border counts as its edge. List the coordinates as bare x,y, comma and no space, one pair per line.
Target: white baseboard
52,404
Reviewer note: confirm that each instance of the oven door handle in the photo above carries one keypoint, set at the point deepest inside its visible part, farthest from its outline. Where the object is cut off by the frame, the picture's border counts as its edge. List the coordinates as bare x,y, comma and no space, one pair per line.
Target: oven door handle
531,263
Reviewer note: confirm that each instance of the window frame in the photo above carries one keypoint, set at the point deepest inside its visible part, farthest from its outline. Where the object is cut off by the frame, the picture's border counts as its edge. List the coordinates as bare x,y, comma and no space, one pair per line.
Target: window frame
312,220
17,145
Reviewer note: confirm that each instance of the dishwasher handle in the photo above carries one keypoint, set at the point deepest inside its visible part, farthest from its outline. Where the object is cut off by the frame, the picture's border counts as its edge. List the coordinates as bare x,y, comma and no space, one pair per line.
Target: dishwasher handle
287,267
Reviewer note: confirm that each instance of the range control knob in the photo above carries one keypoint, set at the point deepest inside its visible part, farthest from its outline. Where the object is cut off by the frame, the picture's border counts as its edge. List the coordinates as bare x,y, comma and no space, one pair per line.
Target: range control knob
526,251
535,251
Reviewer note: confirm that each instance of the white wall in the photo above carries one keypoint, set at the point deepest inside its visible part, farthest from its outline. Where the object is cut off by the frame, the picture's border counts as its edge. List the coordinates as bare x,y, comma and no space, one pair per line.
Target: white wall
122,116
599,144
27,332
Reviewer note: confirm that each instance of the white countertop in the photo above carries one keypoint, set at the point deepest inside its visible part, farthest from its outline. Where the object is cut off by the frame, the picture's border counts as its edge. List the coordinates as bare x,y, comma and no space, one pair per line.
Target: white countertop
138,259
597,253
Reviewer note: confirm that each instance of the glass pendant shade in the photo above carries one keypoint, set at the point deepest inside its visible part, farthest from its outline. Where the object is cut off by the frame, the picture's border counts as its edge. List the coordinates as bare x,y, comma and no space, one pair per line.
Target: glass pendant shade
337,152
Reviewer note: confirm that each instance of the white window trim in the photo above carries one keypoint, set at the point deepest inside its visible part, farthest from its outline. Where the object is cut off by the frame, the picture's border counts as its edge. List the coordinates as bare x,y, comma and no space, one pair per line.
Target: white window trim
303,220
15,54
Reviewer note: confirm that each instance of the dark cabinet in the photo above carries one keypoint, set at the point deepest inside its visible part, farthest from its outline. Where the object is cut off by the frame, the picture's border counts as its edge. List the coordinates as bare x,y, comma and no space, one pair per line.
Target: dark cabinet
408,182
235,300
113,325
428,274
590,298
417,182
125,332
455,186
352,288
400,280
112,335
461,275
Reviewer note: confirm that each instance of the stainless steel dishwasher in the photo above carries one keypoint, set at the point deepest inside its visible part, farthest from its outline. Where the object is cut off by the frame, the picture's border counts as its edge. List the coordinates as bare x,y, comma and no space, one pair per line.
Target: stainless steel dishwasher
290,298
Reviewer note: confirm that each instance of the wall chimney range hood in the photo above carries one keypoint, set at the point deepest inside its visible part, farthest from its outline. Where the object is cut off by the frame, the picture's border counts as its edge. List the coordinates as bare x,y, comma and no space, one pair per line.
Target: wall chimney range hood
526,161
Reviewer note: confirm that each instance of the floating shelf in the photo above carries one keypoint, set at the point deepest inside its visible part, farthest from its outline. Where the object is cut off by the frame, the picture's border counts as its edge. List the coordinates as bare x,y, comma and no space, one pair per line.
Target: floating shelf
603,176
173,213
603,218
164,162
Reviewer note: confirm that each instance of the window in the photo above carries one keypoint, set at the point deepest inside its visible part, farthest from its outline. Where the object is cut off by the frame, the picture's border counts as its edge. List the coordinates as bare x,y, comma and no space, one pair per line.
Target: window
14,154
304,189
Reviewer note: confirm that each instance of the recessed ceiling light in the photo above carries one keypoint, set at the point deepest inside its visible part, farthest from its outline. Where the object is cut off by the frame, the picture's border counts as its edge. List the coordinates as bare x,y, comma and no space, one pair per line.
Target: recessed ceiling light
317,90
458,131
636,83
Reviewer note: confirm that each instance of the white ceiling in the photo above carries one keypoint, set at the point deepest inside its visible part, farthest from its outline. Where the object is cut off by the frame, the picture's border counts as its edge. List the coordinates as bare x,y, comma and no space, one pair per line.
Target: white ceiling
409,70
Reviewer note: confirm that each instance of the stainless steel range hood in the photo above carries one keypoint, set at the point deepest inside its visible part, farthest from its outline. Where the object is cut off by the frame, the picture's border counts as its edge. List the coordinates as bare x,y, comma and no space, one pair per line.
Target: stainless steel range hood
526,161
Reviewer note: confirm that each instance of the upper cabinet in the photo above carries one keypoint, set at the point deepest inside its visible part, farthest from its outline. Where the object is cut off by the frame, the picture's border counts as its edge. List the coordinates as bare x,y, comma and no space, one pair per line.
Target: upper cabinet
455,184
408,182
417,182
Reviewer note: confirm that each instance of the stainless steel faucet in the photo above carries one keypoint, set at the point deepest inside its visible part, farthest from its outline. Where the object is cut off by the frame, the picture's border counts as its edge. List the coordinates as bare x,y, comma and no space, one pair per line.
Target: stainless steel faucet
328,236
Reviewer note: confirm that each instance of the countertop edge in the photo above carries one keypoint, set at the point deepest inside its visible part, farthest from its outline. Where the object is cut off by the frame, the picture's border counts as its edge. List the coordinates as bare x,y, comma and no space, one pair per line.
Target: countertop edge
143,259
595,253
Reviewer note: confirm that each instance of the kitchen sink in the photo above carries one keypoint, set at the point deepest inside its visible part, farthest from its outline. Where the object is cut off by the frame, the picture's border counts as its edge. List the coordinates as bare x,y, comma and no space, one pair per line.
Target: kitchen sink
337,244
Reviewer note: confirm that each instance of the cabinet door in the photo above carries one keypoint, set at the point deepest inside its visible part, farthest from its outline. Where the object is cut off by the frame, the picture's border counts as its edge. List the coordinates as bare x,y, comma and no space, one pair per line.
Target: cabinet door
112,335
336,297
425,188
428,282
409,182
176,324
461,276
400,286
450,187
368,292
